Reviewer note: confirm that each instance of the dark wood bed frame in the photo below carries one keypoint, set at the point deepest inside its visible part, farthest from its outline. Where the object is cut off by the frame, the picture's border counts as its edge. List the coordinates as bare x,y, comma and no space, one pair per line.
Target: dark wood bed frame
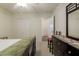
32,46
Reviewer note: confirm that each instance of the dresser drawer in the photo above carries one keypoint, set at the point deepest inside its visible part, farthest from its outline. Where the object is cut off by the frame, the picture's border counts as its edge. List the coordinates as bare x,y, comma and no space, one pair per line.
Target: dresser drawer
72,51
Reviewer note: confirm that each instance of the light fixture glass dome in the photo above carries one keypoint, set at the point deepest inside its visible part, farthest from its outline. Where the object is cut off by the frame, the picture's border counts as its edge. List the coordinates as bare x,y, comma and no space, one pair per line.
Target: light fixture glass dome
21,4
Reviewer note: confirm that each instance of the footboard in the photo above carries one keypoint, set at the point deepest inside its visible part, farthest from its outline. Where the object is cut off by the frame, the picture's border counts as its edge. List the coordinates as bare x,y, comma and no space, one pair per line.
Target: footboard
31,50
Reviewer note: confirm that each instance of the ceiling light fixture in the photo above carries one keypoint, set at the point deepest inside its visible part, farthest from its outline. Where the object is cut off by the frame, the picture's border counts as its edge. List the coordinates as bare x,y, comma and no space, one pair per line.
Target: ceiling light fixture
21,4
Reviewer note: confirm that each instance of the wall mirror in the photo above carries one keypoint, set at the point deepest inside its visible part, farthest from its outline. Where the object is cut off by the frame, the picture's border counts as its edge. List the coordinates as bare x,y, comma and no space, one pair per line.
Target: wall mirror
72,21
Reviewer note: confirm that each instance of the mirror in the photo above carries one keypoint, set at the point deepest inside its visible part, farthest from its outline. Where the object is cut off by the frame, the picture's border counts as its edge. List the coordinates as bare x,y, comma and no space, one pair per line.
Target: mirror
73,24
72,21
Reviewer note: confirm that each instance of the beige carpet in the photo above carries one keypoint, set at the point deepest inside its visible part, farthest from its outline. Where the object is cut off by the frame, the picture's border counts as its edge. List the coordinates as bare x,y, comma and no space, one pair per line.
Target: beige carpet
43,49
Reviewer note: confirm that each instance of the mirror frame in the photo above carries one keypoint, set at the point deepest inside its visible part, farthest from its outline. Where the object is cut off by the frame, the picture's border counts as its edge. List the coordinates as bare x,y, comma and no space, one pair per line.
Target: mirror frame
69,9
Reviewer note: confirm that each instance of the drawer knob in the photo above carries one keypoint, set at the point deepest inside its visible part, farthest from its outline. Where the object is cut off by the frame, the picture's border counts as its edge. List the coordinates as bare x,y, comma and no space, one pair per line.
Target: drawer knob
69,52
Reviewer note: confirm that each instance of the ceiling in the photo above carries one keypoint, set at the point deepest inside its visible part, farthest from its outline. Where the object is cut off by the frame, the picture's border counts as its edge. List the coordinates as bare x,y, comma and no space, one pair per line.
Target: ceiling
31,7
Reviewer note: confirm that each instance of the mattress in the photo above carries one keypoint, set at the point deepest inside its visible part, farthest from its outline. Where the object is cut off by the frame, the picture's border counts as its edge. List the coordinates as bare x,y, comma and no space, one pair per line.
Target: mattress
6,43
14,47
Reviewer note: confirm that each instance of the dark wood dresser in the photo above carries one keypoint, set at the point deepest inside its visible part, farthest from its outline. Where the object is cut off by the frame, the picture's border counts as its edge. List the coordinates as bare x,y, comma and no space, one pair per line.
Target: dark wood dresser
62,48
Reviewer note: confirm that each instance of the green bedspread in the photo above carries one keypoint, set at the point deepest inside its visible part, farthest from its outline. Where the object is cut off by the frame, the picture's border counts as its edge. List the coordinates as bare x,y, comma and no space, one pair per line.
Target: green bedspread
16,49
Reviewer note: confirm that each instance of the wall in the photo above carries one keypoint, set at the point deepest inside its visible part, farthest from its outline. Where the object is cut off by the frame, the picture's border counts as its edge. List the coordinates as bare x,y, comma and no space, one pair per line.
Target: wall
30,24
26,25
19,25
44,23
60,18
5,23
47,26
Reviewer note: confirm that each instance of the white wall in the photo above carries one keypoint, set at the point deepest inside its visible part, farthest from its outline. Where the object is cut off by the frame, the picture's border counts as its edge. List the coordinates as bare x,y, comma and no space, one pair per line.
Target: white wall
47,26
5,23
60,18
30,24
44,23
19,25
26,25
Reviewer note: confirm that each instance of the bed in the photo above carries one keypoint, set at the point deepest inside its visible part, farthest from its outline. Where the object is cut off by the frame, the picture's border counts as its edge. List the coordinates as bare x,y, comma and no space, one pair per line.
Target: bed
17,47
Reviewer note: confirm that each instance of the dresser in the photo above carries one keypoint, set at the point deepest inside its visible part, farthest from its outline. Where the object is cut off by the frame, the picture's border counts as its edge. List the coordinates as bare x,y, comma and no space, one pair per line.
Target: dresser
63,47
